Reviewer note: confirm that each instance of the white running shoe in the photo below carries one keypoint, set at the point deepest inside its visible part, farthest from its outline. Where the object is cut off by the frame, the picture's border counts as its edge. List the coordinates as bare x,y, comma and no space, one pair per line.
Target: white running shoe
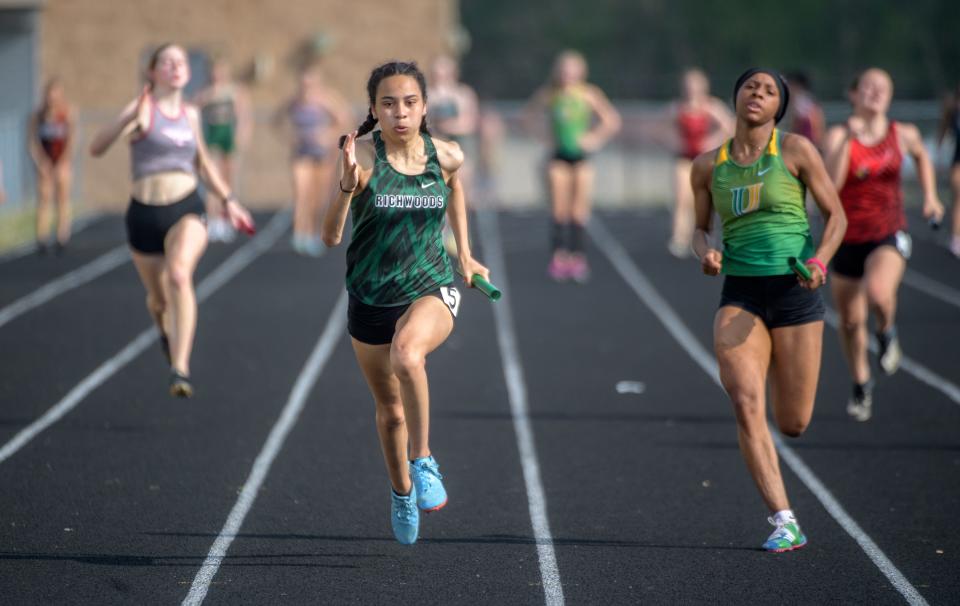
889,352
786,537
860,405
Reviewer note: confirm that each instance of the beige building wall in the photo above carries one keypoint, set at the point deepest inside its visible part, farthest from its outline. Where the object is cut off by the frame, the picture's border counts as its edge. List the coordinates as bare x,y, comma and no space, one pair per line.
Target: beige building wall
96,46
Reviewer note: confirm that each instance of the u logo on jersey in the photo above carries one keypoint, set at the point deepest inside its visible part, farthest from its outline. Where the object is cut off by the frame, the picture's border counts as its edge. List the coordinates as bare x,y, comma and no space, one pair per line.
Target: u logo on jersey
745,199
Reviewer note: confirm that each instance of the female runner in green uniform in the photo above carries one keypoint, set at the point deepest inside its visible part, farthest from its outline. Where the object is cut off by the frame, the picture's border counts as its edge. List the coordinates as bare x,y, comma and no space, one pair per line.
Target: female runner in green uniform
227,127
770,323
571,104
398,185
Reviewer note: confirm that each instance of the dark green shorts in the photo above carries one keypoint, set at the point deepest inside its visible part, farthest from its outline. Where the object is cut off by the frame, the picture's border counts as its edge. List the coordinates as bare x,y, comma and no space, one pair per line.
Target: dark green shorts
220,137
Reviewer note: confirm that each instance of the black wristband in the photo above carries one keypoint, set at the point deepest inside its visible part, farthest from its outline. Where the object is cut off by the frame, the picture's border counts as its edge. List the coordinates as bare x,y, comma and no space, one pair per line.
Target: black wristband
346,191
229,198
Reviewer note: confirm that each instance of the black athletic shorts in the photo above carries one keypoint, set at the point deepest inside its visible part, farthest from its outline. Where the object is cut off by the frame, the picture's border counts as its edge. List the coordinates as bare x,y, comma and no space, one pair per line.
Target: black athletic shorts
148,224
850,258
376,324
777,300
569,157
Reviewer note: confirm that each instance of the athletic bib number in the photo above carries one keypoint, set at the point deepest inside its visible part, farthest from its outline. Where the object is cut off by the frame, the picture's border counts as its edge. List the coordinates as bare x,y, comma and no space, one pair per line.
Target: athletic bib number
451,298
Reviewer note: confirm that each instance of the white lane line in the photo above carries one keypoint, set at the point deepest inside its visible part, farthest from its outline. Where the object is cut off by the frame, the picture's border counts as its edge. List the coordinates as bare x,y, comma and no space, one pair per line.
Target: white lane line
261,466
631,274
68,281
517,390
28,247
227,270
931,287
910,366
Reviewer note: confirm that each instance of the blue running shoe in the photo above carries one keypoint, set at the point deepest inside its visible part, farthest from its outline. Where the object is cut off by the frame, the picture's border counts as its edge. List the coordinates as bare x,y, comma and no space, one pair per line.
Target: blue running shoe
425,473
405,517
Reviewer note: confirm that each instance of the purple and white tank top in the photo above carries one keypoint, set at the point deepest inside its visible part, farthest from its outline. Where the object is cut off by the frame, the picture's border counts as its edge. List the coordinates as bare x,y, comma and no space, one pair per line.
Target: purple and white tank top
168,145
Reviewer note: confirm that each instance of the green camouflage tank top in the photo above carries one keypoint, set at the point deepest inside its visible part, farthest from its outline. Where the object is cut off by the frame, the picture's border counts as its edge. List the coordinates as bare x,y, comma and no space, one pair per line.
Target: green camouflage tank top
396,252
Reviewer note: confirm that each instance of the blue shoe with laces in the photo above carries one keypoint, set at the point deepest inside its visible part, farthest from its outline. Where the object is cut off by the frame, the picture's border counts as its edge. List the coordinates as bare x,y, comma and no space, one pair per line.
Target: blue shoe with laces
425,474
405,517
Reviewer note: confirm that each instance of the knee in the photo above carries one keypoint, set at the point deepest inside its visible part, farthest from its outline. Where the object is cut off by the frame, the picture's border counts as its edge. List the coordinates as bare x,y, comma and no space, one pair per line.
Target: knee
851,322
879,296
390,415
792,428
748,406
406,361
156,304
179,277
850,326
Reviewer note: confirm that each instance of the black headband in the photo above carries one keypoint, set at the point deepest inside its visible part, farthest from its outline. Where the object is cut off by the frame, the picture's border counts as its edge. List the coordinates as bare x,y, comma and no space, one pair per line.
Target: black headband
781,86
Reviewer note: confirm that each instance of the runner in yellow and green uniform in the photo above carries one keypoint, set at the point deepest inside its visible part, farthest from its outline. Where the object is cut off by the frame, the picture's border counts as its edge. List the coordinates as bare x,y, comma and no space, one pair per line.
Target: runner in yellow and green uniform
570,118
571,105
770,321
761,208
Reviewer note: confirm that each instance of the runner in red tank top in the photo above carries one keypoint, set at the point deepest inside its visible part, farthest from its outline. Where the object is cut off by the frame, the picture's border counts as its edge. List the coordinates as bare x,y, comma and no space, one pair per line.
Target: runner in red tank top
693,127
871,193
51,129
864,158
699,122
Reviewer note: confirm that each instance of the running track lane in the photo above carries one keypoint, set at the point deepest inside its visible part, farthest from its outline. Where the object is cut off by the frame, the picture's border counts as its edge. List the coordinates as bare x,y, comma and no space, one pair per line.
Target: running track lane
653,300
136,475
217,278
320,529
54,348
649,501
897,475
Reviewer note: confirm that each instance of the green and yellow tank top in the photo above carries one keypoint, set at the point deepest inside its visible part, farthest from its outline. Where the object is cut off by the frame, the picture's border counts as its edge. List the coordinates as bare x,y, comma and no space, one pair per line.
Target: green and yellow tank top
396,252
570,115
762,210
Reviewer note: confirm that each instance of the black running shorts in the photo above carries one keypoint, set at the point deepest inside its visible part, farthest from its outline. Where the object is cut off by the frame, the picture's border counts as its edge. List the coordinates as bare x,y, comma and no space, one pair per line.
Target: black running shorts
777,300
148,224
851,258
376,324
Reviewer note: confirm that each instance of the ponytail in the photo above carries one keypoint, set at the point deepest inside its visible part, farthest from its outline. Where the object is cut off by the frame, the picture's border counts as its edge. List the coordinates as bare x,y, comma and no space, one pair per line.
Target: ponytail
365,127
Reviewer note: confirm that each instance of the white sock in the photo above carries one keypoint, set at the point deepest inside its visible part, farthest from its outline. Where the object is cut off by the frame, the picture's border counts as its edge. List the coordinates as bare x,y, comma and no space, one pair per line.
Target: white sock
785,516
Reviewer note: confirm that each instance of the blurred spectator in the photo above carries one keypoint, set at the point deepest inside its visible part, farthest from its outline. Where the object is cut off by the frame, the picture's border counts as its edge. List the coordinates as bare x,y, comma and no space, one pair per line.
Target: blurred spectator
50,144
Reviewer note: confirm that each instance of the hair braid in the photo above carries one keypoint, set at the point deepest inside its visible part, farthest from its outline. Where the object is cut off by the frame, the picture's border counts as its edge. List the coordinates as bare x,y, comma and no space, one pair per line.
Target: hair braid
365,127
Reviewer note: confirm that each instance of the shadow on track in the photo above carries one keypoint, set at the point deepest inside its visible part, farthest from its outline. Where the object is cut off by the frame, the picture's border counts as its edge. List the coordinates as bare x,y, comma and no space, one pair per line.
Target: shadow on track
614,417
489,539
